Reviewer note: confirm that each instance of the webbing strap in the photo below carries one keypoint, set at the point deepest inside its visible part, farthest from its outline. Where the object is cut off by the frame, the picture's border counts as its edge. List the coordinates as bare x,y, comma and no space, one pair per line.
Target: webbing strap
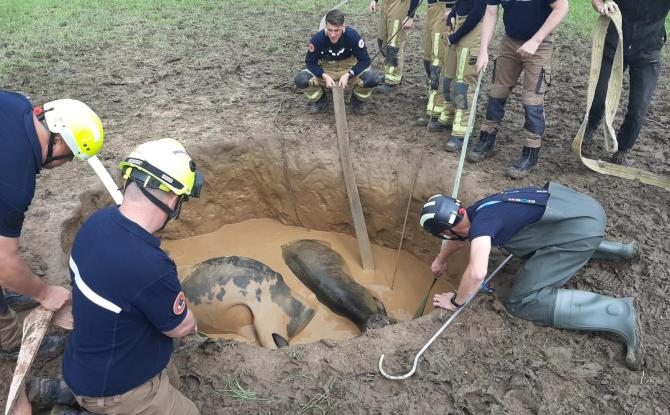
611,105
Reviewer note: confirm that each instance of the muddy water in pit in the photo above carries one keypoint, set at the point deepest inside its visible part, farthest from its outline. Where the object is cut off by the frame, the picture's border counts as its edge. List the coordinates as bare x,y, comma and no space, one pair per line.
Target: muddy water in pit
262,239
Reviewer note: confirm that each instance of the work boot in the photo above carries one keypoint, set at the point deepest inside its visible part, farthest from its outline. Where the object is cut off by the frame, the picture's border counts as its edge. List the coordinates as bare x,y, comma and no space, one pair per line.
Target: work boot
454,144
485,147
319,106
67,410
20,302
522,167
622,158
436,126
51,346
43,393
588,145
583,310
616,251
359,107
423,120
386,88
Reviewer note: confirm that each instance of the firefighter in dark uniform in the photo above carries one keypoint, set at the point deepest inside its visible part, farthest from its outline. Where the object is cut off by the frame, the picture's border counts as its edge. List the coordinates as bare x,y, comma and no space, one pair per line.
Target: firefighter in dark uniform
555,230
643,26
337,54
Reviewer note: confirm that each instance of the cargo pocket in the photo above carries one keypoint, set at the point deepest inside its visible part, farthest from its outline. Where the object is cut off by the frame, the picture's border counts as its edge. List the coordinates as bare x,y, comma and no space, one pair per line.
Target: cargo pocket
543,81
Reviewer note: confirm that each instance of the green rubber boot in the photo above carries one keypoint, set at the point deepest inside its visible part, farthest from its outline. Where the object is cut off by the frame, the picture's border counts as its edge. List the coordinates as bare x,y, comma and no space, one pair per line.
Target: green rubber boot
616,251
583,310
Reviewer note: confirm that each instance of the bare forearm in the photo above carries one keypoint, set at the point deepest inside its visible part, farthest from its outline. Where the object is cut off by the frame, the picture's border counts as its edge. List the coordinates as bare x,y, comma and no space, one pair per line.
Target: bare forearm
555,18
470,283
15,275
488,26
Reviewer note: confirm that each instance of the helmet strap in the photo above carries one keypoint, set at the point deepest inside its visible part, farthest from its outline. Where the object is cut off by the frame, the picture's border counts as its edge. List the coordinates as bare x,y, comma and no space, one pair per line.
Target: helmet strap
171,213
39,113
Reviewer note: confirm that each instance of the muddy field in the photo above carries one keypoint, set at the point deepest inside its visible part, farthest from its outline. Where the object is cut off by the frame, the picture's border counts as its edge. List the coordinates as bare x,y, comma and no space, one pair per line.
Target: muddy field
235,101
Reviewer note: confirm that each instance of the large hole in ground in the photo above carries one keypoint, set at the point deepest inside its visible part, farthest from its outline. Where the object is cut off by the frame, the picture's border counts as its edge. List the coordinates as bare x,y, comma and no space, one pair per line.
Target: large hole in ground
258,199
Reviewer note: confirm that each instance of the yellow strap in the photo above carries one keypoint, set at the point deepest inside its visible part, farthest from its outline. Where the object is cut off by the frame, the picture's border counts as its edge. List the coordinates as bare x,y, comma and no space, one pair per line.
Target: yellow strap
611,104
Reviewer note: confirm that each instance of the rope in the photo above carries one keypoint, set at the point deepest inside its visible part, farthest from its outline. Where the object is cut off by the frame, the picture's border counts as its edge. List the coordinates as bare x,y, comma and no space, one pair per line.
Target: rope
611,104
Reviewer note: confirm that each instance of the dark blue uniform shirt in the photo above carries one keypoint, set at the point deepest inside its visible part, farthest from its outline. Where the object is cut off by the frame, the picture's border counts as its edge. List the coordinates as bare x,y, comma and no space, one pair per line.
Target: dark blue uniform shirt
523,18
498,217
20,161
125,294
350,43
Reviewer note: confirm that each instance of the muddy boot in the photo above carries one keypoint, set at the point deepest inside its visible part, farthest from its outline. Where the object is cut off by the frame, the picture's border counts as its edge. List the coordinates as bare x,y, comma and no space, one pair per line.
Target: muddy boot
454,144
319,106
66,410
51,346
437,127
10,334
588,145
485,148
622,158
20,302
359,107
44,393
522,167
616,251
386,88
423,120
583,310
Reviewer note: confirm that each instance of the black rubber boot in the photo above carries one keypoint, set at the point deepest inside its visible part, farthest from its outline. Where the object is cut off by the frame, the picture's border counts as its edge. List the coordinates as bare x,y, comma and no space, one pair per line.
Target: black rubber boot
454,144
51,346
386,88
616,251
588,145
19,302
45,393
522,167
436,126
423,120
319,106
485,148
359,107
622,158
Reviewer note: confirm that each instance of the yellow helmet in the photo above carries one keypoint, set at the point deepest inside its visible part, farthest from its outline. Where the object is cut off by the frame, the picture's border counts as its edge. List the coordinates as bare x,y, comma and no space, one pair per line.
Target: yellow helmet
79,126
163,164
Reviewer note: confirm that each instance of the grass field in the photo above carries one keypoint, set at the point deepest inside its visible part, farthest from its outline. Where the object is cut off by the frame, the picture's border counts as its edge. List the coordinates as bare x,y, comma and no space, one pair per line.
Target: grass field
33,32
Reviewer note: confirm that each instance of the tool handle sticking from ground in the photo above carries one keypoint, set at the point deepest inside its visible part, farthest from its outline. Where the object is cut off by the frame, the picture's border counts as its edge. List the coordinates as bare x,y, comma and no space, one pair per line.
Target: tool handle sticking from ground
436,335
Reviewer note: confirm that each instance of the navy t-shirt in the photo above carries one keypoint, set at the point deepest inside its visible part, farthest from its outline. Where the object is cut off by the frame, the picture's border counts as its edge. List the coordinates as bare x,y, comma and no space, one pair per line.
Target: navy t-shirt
523,18
350,43
125,294
500,219
20,161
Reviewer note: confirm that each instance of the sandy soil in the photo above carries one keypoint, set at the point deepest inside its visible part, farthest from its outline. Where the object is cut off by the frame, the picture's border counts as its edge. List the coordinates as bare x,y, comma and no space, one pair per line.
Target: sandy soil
224,95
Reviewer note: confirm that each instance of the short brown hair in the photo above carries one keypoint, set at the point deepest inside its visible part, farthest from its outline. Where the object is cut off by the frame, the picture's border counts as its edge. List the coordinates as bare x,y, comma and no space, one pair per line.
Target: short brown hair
335,17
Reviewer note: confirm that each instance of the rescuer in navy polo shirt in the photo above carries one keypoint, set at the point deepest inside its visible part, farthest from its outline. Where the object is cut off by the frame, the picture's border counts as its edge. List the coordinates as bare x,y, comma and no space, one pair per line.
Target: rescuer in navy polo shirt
555,230
337,54
127,301
32,139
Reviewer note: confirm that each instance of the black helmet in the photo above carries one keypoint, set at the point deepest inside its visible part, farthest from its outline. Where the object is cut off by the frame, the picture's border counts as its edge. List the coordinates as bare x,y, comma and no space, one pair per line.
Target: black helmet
439,213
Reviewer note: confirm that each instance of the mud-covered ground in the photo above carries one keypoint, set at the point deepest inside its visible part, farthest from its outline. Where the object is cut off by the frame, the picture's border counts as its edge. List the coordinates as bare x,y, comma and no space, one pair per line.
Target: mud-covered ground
210,89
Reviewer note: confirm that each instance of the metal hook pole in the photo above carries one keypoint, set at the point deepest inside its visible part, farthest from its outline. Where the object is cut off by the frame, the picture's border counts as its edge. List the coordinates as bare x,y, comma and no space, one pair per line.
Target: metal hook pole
444,327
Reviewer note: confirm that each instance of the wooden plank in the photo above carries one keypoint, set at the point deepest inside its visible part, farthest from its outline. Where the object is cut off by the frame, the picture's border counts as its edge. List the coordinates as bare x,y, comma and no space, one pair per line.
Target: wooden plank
350,180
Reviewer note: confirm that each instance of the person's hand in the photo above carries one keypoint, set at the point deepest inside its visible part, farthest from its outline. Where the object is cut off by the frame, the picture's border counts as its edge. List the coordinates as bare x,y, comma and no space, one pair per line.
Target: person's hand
482,60
344,79
407,23
529,48
373,6
329,81
444,301
607,8
54,297
438,266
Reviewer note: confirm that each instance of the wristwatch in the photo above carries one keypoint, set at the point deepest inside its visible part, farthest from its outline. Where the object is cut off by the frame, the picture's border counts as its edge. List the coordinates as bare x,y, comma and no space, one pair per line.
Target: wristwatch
453,301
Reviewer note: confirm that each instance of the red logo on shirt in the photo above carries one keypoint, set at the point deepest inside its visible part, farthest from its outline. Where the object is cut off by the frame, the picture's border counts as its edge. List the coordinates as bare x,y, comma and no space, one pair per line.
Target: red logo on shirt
311,47
179,304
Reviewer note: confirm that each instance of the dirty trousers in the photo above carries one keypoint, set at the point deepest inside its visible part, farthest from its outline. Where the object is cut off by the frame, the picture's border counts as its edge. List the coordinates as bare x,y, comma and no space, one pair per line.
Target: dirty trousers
433,52
157,396
391,16
507,68
460,79
335,69
10,329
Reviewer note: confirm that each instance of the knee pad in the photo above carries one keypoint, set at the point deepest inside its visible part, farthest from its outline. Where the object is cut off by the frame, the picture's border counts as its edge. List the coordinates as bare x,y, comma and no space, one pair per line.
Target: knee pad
392,55
446,87
461,95
435,72
302,79
496,109
370,78
534,120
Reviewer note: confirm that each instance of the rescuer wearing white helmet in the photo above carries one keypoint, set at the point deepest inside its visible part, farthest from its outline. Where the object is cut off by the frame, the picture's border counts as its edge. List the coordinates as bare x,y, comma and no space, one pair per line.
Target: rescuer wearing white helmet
33,138
127,301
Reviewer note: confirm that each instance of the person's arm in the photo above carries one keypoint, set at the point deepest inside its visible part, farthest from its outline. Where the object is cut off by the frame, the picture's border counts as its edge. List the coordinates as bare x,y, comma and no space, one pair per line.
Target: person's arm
362,57
312,59
473,276
604,8
489,25
558,13
15,275
474,17
373,6
440,262
186,327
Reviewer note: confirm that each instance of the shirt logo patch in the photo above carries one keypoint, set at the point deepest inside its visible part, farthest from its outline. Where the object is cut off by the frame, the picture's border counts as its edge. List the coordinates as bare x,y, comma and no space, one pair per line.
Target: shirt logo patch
179,304
311,47
361,44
